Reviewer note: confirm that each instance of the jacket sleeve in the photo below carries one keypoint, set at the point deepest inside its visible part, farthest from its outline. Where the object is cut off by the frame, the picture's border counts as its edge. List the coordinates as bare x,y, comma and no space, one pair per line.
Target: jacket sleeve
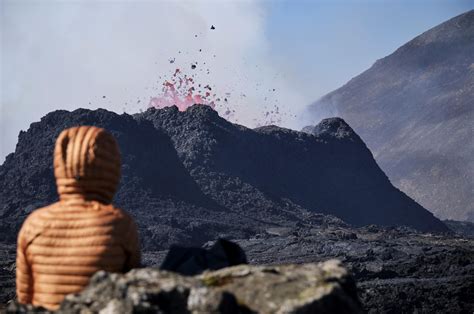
132,247
24,277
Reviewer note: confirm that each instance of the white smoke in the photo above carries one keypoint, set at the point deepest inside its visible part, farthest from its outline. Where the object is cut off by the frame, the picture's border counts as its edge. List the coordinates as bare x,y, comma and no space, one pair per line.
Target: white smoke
115,55
327,107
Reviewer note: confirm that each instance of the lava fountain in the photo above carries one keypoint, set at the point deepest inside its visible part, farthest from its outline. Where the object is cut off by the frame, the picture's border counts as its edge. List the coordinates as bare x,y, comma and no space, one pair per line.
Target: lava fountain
182,91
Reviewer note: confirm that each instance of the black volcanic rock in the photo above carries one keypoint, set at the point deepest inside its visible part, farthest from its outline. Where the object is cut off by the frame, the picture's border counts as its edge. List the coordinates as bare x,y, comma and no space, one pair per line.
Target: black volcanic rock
415,110
155,187
397,270
235,181
332,128
271,169
462,228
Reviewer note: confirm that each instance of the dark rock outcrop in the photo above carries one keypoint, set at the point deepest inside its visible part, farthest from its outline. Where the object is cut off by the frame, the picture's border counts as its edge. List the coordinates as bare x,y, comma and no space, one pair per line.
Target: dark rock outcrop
330,171
311,288
415,110
155,187
190,177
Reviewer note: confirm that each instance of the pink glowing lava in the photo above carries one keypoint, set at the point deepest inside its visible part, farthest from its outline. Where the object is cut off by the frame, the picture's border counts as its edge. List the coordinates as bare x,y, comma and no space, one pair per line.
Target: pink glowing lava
182,92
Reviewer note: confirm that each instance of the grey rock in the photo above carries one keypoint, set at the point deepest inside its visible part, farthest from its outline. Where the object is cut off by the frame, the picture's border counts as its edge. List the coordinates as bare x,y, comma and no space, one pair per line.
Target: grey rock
324,287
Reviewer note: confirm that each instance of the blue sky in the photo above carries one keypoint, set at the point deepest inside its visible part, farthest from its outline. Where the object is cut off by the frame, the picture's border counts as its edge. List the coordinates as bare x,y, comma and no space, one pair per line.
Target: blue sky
337,40
269,56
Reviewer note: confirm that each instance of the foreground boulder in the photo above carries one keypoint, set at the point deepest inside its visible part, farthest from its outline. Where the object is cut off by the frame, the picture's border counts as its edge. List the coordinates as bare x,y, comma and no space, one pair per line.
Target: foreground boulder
309,288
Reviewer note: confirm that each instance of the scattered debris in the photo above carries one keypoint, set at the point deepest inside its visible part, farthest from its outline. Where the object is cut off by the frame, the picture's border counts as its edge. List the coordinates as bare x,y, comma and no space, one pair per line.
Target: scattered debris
181,92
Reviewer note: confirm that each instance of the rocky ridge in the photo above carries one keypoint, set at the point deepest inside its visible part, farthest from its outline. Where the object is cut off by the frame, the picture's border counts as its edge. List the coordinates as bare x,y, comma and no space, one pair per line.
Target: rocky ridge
322,172
190,177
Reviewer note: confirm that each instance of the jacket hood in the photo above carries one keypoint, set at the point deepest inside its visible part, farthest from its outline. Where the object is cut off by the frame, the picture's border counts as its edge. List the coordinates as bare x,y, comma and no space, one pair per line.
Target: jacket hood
87,164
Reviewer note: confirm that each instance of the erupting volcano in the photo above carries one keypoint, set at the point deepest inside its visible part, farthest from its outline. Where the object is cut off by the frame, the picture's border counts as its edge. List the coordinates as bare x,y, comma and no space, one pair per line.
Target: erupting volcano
182,91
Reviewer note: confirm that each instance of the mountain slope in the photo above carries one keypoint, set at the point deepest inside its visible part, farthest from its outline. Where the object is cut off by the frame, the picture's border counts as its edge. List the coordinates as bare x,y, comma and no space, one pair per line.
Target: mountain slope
271,169
415,110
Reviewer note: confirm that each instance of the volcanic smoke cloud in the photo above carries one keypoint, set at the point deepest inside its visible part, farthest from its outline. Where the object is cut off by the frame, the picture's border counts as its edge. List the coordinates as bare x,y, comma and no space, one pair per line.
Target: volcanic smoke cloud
192,80
110,55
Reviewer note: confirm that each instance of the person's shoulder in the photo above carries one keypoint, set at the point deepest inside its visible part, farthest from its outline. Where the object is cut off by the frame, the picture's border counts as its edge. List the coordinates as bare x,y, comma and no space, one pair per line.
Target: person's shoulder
37,214
34,223
123,220
118,212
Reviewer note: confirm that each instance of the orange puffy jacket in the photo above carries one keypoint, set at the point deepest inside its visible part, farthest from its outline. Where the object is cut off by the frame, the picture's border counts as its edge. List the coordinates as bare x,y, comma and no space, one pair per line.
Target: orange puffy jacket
62,245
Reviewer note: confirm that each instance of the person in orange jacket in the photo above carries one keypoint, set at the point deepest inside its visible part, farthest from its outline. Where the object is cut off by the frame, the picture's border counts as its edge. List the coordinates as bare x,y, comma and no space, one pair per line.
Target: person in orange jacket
62,245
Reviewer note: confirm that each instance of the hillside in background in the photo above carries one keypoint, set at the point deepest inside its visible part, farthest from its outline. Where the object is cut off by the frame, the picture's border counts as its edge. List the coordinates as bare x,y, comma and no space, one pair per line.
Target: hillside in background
414,109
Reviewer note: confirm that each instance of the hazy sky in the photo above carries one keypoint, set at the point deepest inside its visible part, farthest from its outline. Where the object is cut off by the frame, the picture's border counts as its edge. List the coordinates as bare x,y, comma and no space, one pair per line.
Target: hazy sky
262,56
